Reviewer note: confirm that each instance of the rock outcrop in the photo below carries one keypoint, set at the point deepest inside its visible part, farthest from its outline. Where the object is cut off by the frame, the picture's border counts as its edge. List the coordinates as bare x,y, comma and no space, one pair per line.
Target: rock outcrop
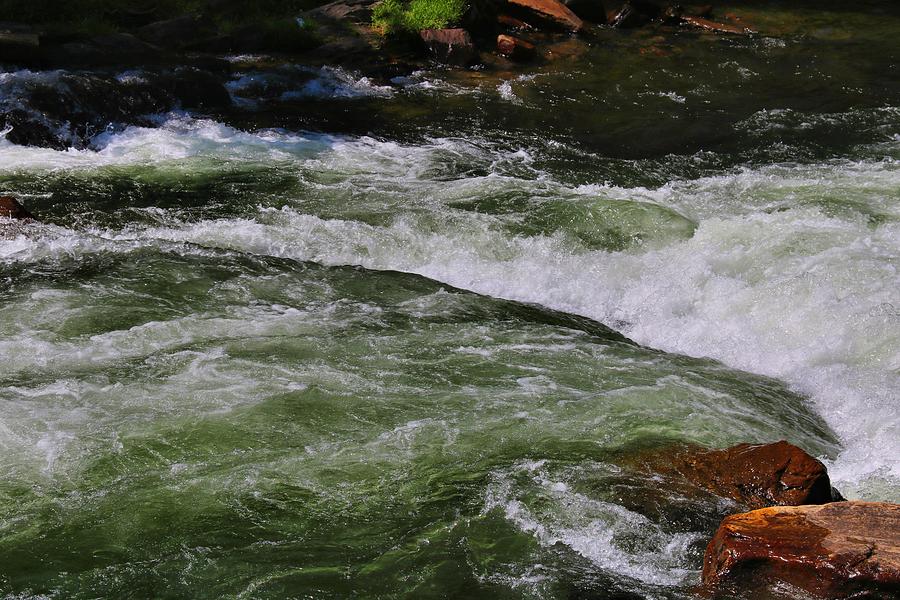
837,550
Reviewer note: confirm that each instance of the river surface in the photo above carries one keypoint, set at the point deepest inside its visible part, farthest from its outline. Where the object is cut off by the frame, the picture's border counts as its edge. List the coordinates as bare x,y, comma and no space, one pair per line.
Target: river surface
400,339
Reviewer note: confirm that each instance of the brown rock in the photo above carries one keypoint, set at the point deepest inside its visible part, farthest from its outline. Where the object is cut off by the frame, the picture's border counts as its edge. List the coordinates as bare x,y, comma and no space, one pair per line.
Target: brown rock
836,550
552,11
515,48
759,475
513,23
450,46
11,208
714,26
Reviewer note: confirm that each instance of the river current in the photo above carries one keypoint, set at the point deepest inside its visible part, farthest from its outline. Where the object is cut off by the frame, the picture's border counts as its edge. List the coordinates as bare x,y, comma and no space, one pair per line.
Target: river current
408,353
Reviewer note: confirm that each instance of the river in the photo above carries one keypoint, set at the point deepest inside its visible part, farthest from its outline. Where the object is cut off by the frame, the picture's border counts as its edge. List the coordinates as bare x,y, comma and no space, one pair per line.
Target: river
399,339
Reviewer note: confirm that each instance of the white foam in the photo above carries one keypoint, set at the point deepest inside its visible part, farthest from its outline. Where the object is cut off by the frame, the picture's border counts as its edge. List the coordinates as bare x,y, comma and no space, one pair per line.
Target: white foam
792,272
531,496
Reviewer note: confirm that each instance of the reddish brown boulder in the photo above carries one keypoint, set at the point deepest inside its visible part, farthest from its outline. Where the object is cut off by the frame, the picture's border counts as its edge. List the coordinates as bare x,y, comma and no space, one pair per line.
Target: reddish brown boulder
450,46
835,550
552,11
515,48
755,475
758,475
10,208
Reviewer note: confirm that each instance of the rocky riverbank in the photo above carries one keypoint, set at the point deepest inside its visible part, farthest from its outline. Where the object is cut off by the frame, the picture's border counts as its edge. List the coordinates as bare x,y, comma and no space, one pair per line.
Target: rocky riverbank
84,83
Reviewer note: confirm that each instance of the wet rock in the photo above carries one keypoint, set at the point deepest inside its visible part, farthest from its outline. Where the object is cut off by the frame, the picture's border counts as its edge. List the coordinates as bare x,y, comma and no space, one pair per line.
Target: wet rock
838,550
450,46
196,88
714,26
634,14
754,475
758,475
26,129
566,50
515,48
10,208
672,13
67,109
513,23
357,11
589,10
552,12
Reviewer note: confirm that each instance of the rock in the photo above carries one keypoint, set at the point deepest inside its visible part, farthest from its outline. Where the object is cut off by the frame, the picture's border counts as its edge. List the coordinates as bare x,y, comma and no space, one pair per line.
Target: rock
635,13
513,23
714,26
124,44
450,46
196,88
754,475
357,11
10,208
18,42
551,11
30,130
758,475
175,33
589,10
836,550
672,13
514,48
566,50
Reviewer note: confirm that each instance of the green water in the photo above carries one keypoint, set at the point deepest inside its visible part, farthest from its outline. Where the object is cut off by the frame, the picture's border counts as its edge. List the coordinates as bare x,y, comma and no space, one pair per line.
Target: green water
415,356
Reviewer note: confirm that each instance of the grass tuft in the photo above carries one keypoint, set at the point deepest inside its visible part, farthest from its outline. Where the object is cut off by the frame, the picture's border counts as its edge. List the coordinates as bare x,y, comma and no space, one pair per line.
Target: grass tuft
410,16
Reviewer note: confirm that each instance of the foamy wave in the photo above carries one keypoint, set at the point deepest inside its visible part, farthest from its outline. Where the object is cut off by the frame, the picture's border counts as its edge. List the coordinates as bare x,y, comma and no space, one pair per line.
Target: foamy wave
543,503
792,270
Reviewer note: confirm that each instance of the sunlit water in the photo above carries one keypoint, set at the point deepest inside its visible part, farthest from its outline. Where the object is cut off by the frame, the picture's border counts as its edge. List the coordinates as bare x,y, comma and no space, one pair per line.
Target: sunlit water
247,360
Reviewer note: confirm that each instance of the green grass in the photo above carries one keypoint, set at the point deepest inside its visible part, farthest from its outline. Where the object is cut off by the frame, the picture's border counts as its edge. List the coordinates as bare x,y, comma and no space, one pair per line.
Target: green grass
399,16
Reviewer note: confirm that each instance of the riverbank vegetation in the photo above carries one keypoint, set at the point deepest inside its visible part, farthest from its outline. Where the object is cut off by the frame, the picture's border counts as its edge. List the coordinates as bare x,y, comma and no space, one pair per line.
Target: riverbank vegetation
396,16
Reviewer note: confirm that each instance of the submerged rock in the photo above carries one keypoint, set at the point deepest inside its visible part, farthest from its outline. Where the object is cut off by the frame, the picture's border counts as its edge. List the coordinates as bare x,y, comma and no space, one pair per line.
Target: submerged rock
839,550
551,11
10,208
450,46
714,26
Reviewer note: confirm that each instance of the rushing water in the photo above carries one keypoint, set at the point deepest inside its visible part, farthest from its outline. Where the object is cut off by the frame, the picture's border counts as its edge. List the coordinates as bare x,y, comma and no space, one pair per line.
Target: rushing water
411,356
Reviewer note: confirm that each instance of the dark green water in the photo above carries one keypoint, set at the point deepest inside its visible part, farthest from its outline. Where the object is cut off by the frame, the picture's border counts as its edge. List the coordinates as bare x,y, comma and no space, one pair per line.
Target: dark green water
415,356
